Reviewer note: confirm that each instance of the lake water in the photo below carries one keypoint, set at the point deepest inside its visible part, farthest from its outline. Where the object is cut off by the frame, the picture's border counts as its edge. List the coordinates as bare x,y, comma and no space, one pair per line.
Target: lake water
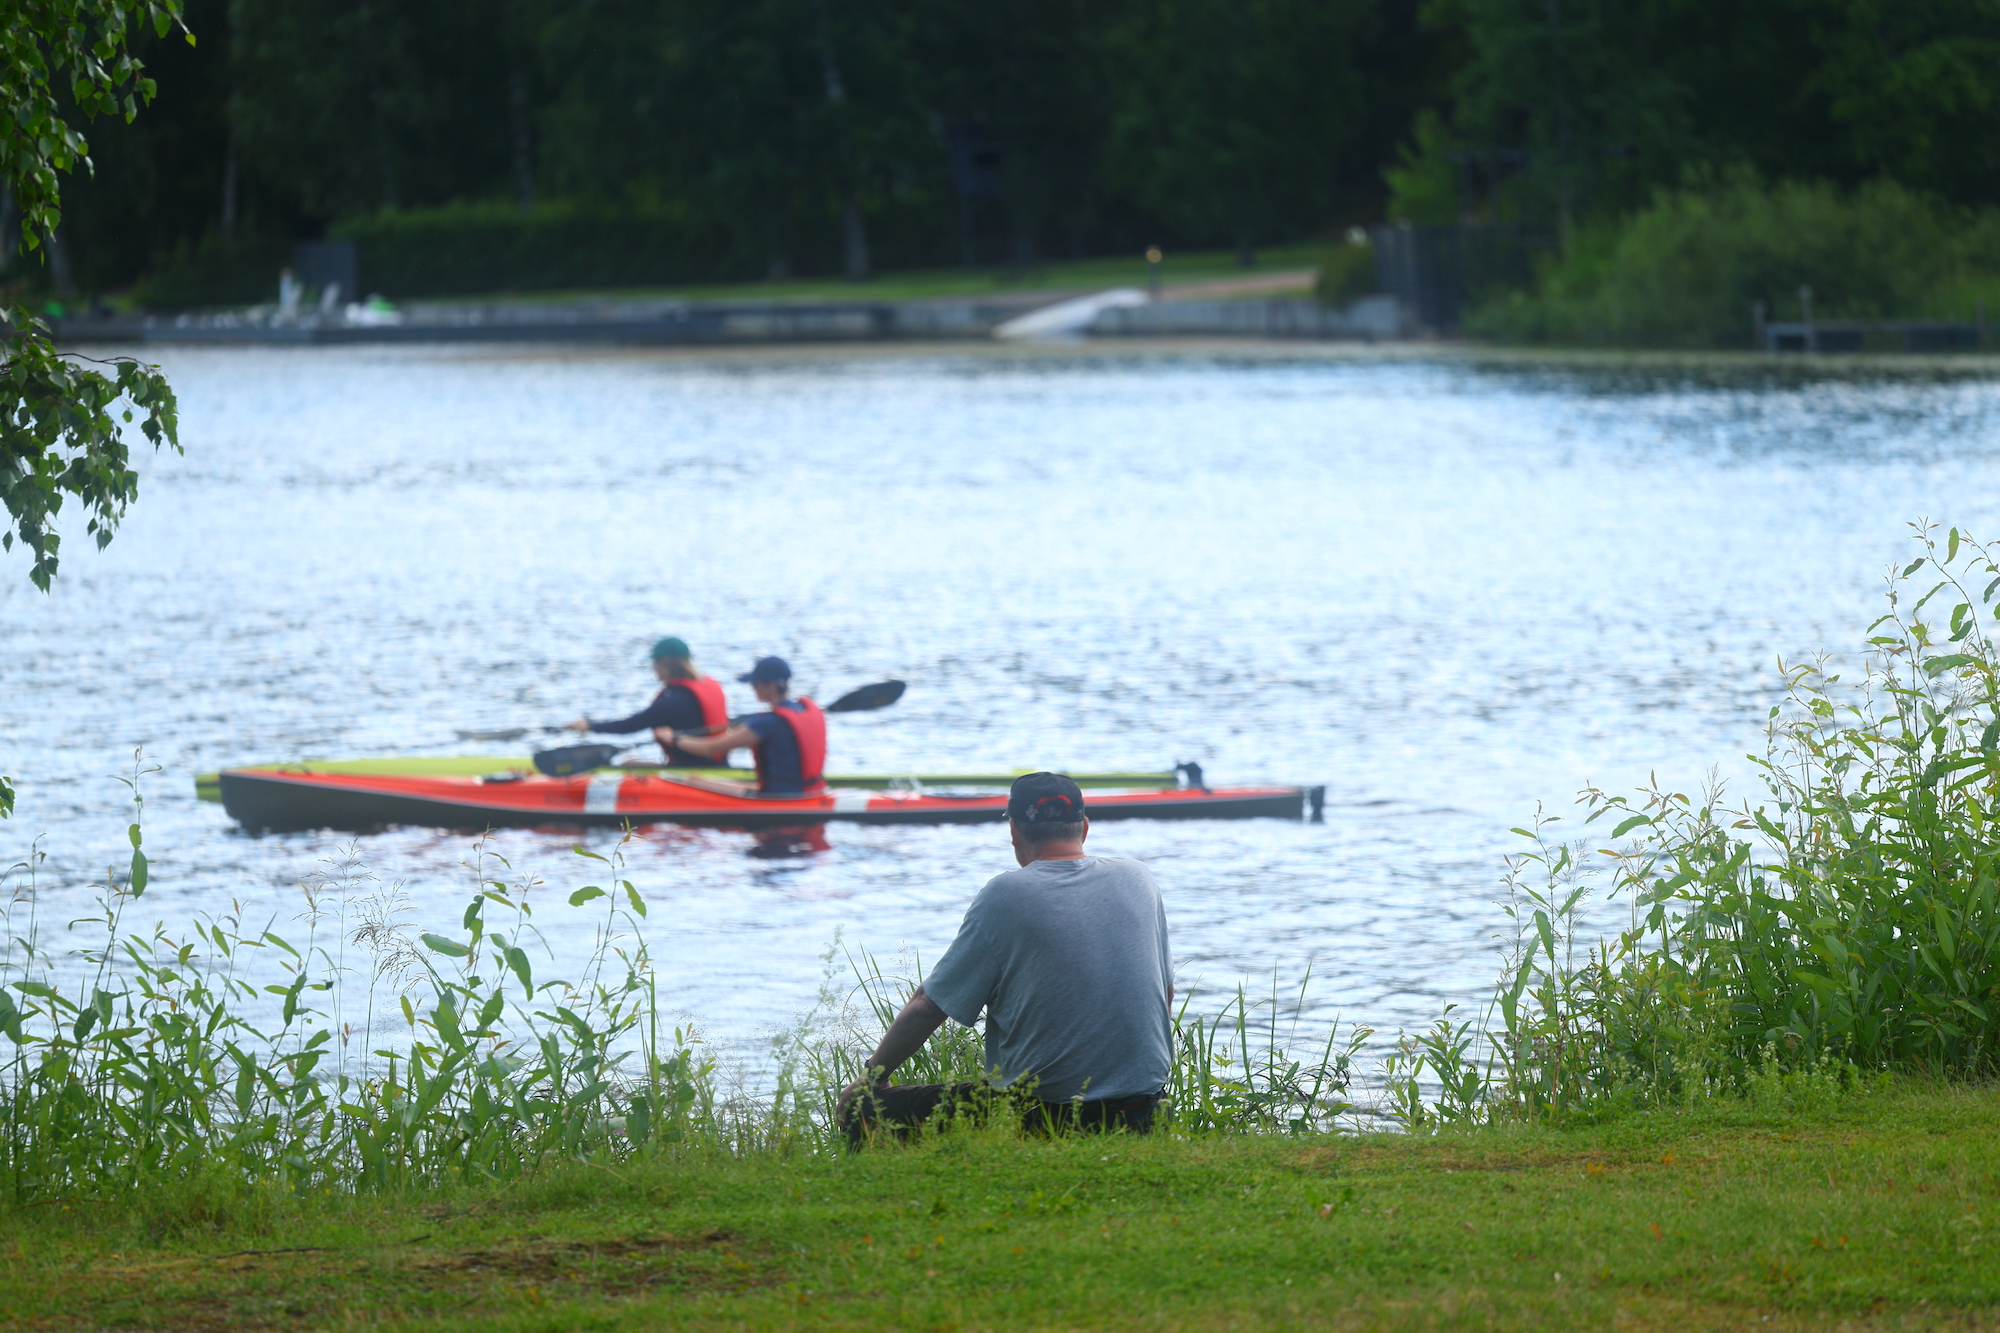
1449,589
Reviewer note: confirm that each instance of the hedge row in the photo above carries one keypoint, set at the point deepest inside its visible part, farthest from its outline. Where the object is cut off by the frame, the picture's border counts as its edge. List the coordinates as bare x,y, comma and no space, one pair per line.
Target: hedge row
472,248
214,274
1685,271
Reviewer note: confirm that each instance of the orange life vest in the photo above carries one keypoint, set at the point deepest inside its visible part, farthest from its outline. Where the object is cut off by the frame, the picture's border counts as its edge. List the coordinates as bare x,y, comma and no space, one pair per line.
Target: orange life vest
808,726
708,693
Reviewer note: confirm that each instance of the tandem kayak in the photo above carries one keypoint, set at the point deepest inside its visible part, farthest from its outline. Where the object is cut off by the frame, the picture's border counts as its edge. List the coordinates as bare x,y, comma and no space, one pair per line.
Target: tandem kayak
208,786
362,794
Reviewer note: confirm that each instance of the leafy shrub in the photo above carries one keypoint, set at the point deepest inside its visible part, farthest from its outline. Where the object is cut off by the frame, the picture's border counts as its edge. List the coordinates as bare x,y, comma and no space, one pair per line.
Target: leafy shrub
212,274
1424,182
1346,273
1848,923
474,248
1686,271
1856,914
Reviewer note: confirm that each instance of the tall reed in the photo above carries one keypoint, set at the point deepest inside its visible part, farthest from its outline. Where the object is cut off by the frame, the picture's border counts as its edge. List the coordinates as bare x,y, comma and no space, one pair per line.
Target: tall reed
231,1051
1231,1070
1845,923
362,1054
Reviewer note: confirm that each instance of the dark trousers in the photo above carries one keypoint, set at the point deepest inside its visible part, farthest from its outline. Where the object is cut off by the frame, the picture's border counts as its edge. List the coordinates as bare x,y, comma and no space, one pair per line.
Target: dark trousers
897,1111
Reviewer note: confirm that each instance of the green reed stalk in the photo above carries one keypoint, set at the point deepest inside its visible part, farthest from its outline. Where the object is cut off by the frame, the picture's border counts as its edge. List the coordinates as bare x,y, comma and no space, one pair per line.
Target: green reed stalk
1230,1071
1845,923
158,1064
227,1055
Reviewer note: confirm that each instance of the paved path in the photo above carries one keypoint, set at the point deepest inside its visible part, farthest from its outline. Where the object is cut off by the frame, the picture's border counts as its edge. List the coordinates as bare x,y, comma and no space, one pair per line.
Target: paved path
1278,282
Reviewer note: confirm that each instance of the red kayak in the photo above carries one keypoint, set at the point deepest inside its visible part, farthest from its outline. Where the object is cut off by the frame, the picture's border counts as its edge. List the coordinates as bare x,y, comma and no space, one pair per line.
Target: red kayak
306,796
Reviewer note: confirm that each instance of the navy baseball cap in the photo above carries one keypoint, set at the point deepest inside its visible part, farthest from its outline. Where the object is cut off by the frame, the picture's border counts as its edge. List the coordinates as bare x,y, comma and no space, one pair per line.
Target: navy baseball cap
1045,798
767,669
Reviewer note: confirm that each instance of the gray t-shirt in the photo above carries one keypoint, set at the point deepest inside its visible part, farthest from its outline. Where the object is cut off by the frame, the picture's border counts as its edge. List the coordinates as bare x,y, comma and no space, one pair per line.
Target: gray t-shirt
1069,960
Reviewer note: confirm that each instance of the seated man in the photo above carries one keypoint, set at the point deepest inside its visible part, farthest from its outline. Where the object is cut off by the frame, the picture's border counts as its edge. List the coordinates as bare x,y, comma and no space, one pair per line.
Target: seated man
1068,957
789,742
688,703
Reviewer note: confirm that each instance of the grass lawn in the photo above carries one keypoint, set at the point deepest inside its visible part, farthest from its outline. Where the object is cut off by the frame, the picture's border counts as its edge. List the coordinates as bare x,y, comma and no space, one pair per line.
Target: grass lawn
1880,1211
912,284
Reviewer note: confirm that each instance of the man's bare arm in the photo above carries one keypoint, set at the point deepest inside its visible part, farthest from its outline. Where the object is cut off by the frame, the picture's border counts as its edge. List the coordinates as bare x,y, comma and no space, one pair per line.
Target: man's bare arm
906,1036
903,1039
738,737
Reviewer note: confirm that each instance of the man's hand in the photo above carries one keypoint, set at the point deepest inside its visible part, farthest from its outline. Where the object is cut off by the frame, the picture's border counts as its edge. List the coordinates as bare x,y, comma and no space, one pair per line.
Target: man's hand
664,735
855,1089
905,1037
581,724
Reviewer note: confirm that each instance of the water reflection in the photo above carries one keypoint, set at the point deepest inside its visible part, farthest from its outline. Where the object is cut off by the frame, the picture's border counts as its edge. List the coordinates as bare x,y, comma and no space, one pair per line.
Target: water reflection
785,844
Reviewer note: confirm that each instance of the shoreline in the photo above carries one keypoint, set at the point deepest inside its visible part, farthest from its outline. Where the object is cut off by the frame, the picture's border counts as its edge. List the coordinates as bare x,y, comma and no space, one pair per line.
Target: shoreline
1734,363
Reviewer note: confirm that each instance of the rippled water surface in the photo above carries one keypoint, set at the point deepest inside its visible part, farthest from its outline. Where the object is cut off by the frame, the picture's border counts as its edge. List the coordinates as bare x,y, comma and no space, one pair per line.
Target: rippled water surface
1447,590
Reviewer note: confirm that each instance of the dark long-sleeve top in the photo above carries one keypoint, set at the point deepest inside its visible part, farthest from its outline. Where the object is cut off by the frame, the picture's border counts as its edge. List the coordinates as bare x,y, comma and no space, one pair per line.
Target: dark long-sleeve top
675,707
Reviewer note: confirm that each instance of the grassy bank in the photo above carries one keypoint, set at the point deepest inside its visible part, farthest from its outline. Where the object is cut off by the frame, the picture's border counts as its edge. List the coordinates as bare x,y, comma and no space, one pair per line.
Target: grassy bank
1082,275
1872,1210
175,289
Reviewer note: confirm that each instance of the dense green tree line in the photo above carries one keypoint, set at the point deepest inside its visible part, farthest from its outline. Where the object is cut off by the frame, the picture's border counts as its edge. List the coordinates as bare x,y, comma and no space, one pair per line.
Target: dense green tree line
1560,109
837,135
824,135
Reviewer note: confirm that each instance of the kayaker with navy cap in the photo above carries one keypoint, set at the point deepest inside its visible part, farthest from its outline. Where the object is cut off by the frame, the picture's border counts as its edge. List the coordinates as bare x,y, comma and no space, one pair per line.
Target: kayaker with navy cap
689,704
789,742
1068,959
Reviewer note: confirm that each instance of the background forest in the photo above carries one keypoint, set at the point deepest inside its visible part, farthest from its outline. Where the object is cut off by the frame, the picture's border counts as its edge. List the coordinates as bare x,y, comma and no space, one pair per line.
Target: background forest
529,143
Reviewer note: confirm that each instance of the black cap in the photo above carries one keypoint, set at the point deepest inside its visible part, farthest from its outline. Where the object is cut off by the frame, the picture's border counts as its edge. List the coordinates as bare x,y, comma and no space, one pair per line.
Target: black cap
1045,798
767,668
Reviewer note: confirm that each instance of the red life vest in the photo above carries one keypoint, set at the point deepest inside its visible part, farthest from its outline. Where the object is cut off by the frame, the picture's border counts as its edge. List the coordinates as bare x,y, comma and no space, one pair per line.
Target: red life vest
808,726
714,708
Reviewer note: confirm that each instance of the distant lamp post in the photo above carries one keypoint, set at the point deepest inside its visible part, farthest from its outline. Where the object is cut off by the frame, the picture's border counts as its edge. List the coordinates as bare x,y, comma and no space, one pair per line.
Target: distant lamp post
1153,258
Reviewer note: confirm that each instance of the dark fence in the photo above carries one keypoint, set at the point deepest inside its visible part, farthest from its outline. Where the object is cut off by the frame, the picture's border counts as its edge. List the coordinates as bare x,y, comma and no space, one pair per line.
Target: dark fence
321,265
1437,270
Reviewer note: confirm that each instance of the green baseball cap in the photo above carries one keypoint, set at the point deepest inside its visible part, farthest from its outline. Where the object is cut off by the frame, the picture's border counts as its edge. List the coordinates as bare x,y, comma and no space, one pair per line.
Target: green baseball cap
671,647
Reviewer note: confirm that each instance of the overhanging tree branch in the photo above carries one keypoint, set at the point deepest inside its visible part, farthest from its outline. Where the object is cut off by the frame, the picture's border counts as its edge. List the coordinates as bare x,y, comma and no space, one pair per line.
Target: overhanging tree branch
62,424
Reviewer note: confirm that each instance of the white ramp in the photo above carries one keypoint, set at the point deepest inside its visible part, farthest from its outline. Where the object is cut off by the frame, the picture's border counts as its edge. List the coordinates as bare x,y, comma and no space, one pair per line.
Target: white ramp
1067,319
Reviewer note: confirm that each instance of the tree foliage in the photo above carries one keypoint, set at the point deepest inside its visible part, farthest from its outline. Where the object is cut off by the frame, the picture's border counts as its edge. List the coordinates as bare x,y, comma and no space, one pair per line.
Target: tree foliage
1592,105
61,423
778,123
789,126
1211,142
1686,270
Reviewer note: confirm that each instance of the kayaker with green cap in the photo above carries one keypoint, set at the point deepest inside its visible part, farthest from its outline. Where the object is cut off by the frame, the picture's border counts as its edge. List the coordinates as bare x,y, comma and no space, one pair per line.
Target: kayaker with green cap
689,704
789,742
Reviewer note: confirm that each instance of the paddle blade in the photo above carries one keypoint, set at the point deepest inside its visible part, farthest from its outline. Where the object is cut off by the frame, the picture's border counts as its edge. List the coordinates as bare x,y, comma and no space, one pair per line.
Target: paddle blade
504,734
869,697
568,759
